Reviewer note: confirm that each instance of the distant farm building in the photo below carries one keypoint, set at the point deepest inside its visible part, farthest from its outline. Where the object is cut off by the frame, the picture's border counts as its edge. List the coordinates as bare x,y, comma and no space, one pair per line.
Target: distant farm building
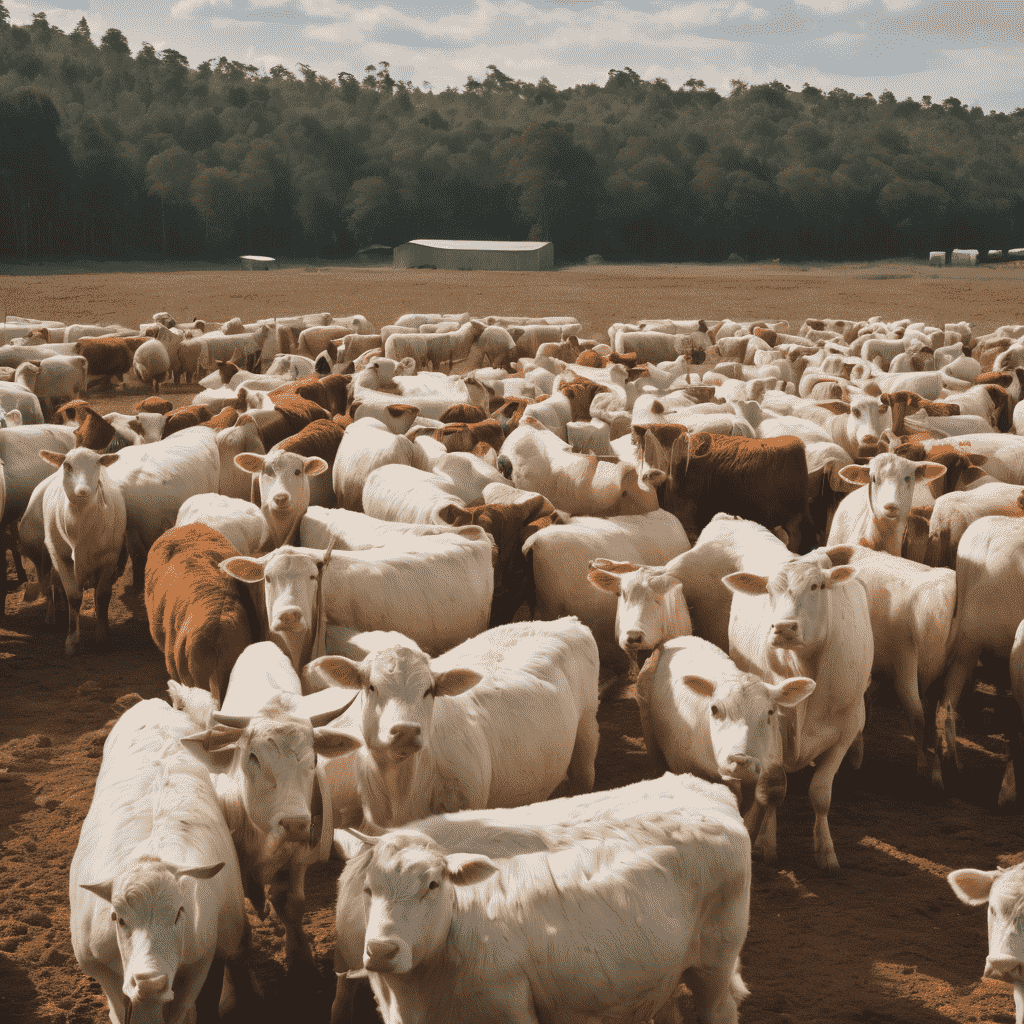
258,262
443,254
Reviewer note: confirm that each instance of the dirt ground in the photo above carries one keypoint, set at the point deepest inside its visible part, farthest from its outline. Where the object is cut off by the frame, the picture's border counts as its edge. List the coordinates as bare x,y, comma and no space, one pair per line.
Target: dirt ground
885,942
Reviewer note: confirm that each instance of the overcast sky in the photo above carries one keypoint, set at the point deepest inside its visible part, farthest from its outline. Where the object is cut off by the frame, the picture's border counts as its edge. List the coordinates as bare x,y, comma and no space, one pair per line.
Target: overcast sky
971,49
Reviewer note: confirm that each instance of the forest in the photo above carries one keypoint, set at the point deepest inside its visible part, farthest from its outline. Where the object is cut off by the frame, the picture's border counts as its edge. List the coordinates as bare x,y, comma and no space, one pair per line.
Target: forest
109,155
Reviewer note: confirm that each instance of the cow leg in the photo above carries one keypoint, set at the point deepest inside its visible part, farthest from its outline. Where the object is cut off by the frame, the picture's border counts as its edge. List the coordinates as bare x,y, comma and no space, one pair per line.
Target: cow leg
584,754
957,673
713,986
908,690
644,685
288,898
769,793
64,570
102,594
343,1007
138,553
820,793
111,982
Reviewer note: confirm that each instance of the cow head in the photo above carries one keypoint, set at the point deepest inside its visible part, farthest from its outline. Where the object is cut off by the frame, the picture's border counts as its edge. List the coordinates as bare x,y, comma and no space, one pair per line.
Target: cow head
743,720
82,472
409,898
293,592
149,902
398,689
798,594
1002,889
651,604
890,479
272,758
284,485
868,418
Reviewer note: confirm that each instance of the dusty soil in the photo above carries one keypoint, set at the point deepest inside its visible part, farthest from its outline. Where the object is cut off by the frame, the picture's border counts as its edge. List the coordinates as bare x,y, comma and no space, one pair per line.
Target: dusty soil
885,942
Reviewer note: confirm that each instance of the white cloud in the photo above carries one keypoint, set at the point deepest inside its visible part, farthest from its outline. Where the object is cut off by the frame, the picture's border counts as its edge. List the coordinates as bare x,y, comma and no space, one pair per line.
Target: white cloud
745,10
188,8
834,6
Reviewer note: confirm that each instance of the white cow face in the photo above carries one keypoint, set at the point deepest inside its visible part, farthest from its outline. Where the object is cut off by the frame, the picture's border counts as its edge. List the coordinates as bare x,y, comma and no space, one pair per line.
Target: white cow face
284,479
1003,890
272,757
409,899
148,910
398,692
798,594
638,496
744,723
890,479
868,419
81,477
651,607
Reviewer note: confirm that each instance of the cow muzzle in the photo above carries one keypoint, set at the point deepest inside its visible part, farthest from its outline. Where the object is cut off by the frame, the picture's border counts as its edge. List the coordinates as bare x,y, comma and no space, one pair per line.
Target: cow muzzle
1003,968
404,739
741,768
891,510
280,502
786,634
296,830
287,619
148,986
379,955
633,640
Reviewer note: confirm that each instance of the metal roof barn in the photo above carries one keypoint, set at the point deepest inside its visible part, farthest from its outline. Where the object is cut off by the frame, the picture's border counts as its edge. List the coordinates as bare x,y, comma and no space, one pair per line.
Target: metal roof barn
444,254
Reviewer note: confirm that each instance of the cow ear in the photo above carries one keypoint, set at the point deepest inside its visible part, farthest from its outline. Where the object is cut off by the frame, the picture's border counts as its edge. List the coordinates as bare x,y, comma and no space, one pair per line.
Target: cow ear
328,742
606,581
454,515
857,475
105,890
700,445
455,681
840,554
976,460
53,458
341,671
109,460
314,466
969,475
746,583
214,747
468,869
204,872
791,692
929,471
840,574
249,462
654,477
241,567
972,886
701,686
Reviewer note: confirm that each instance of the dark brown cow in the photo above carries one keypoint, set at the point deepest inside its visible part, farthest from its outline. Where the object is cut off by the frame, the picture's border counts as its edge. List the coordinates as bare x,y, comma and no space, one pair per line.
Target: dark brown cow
464,437
463,413
186,416
764,480
510,526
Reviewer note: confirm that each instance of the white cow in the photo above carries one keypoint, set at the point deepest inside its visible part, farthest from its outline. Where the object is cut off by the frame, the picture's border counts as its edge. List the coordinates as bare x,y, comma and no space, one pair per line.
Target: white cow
561,556
808,619
17,398
156,892
400,586
607,927
240,521
84,524
273,796
1003,891
911,609
155,480
283,478
700,713
878,510
242,436
366,445
499,721
578,484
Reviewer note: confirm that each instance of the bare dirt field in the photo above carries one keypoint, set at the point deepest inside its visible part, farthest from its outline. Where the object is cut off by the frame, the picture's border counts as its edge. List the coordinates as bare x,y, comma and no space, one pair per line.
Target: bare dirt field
885,942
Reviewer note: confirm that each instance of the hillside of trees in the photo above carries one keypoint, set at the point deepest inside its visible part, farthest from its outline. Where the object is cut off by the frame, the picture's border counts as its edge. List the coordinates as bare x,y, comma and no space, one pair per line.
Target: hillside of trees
105,154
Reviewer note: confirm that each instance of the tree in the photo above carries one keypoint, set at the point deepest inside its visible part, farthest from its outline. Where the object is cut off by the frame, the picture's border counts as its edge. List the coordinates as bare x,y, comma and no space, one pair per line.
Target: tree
349,87
81,33
5,16
114,41
169,175
214,194
279,73
368,207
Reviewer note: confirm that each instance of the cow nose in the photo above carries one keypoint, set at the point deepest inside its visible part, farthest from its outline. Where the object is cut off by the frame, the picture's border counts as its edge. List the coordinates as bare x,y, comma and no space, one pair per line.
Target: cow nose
296,829
81,492
288,618
785,627
742,766
406,736
869,439
891,508
150,983
377,955
1002,968
281,500
634,638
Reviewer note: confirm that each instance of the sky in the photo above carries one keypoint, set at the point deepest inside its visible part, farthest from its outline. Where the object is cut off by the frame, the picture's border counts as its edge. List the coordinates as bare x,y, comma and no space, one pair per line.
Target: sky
971,49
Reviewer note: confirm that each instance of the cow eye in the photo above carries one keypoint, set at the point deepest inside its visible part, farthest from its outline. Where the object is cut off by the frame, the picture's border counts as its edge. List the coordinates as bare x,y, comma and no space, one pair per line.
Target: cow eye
715,710
371,689
366,891
253,759
434,884
814,586
427,692
771,711
856,412
297,473
906,479
67,468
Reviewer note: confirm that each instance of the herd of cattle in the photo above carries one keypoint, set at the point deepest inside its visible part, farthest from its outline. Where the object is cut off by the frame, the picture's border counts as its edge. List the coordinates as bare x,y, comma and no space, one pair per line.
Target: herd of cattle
335,553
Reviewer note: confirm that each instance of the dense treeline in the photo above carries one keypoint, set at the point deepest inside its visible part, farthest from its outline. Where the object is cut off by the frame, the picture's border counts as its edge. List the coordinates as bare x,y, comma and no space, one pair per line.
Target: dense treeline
105,154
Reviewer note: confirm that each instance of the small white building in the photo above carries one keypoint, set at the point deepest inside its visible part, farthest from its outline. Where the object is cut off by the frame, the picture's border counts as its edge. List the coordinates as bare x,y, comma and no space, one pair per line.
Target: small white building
258,262
445,254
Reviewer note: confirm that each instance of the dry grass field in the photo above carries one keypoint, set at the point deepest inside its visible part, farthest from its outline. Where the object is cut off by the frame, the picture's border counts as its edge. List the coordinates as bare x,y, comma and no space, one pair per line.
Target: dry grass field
885,942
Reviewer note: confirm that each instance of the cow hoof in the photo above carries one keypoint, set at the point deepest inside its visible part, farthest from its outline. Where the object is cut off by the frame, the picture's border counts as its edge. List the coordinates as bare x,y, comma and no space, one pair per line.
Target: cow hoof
70,647
830,866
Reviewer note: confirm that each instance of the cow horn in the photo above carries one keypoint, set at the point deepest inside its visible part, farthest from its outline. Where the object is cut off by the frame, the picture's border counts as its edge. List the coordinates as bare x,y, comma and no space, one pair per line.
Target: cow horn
323,717
234,721
368,840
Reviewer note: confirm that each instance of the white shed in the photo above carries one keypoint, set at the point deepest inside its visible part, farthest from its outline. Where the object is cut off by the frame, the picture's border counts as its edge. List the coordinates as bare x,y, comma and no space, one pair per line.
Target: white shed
937,259
444,254
258,262
964,257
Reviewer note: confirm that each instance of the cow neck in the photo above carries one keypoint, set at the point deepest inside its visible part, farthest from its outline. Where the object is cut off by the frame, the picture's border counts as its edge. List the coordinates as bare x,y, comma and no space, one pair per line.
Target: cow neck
390,783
